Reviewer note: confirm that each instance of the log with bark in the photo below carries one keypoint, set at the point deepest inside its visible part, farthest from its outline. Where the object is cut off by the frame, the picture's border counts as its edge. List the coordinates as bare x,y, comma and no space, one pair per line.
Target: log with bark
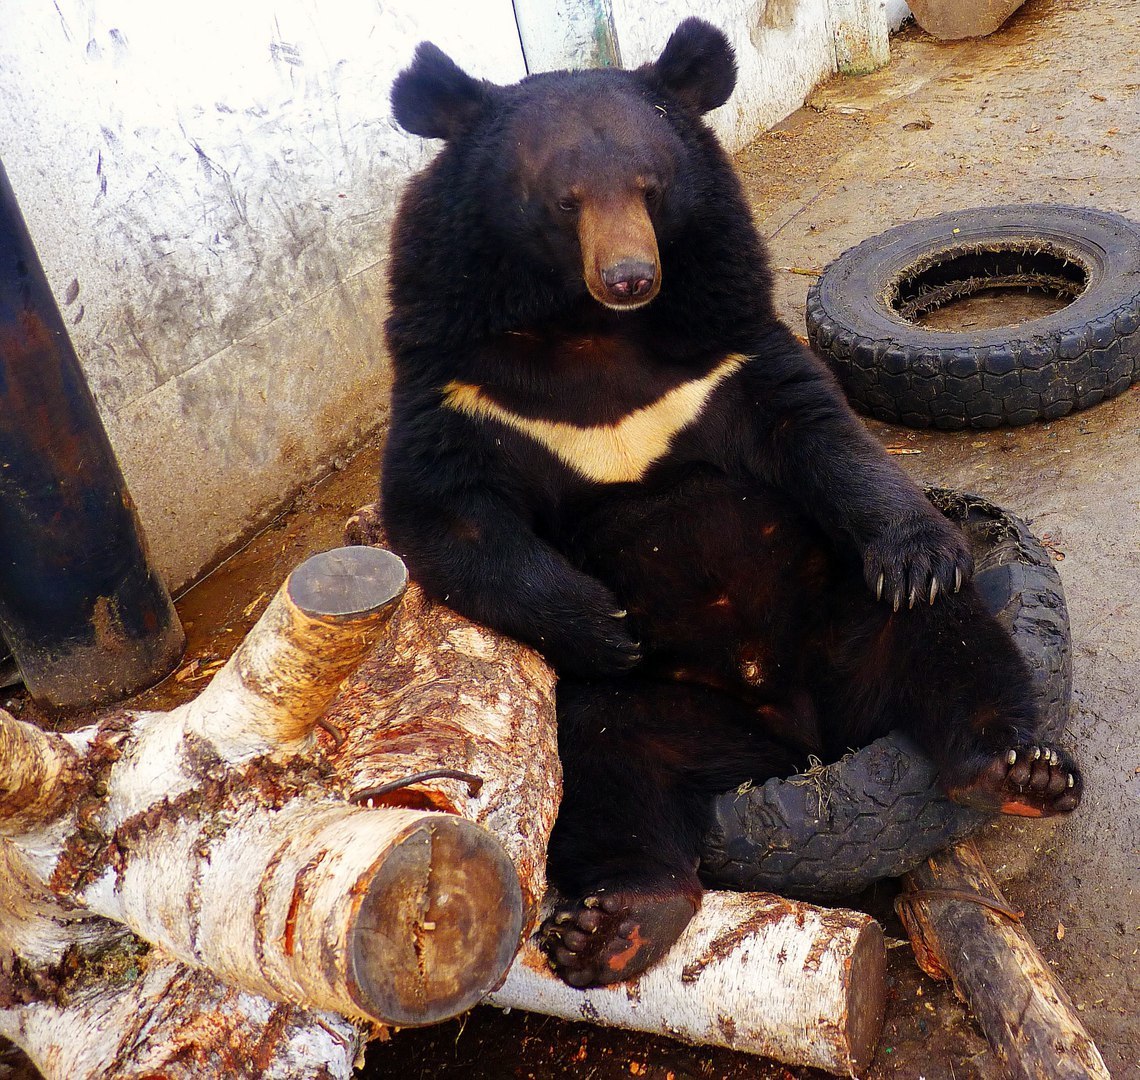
218,850
962,929
802,984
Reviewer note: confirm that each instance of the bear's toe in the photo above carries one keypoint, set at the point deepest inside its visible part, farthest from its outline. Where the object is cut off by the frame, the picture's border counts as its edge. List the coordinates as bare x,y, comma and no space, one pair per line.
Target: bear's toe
1026,781
614,934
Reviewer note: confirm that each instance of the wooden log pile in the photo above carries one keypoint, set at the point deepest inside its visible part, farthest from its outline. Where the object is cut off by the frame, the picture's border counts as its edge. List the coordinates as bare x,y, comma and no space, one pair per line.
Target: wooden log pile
184,889
344,832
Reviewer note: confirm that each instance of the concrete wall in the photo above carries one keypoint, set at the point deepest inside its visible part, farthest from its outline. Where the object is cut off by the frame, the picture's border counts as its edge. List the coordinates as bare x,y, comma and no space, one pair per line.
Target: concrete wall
783,48
210,187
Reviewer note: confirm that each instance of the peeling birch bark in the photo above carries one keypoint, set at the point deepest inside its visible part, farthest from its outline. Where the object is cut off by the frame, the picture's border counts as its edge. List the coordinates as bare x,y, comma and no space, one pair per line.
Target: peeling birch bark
802,984
268,697
222,834
180,1024
447,693
40,777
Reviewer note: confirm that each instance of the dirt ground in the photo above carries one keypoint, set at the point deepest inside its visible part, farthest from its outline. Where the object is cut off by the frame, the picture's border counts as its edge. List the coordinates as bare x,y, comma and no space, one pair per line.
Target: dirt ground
1045,110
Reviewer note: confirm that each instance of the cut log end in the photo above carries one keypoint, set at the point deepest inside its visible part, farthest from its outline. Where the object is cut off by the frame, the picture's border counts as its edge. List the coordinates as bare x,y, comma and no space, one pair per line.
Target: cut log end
326,617
348,583
867,994
438,926
41,776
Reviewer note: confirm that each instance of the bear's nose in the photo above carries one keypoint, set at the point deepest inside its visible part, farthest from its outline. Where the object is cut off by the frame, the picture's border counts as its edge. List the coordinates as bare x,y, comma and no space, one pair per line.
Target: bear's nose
629,279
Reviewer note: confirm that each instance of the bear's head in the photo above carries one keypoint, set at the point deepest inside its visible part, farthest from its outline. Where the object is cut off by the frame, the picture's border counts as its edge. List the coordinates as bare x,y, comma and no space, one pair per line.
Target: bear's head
582,173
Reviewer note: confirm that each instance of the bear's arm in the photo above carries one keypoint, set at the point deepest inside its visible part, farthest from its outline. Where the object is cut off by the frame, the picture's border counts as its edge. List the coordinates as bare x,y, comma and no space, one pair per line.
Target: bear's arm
472,547
804,438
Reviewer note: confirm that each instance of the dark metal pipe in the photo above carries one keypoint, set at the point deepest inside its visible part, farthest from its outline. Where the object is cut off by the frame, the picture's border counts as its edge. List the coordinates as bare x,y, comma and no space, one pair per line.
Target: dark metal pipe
85,616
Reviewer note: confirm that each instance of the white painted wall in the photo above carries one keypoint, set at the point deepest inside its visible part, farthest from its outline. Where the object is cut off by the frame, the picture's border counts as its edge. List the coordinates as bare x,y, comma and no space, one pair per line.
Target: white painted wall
783,48
217,181
211,185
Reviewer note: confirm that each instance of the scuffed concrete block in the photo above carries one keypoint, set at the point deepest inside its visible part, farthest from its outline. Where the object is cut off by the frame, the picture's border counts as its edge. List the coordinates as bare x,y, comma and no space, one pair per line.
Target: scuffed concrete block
950,20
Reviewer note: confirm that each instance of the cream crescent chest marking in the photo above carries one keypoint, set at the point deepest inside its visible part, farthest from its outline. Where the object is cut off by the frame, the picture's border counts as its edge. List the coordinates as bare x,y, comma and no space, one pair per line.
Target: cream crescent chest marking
607,453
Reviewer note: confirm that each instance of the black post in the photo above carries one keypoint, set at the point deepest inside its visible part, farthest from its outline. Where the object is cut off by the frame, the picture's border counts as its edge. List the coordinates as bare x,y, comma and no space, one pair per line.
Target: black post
86,618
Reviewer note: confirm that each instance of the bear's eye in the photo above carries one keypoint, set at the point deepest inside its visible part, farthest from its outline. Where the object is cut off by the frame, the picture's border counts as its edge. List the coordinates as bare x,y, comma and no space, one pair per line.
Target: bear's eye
568,204
652,194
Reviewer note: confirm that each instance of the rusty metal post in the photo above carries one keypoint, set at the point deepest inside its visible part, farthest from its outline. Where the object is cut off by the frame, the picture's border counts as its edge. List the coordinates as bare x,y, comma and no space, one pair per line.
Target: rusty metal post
86,618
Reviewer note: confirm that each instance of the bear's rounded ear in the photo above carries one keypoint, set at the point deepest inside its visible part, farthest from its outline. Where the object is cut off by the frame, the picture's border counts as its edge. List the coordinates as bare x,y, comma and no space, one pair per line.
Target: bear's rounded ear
698,65
436,98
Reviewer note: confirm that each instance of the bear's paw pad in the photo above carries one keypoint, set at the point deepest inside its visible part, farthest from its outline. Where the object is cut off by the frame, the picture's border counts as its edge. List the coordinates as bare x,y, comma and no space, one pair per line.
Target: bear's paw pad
1026,781
613,935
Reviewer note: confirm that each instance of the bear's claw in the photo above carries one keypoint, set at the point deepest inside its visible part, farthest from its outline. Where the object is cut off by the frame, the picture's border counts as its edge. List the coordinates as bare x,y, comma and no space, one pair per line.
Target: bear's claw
613,935
917,559
1027,781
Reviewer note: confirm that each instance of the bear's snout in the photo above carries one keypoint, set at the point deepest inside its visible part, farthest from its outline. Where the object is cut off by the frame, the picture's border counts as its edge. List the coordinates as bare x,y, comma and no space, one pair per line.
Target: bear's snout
620,262
630,279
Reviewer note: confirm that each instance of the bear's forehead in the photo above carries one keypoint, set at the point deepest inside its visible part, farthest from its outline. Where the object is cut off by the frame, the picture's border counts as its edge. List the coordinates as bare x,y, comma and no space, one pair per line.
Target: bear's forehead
558,127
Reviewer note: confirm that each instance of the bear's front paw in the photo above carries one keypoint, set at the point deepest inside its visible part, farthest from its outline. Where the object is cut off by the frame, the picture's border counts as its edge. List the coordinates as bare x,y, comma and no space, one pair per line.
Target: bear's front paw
593,645
366,527
917,559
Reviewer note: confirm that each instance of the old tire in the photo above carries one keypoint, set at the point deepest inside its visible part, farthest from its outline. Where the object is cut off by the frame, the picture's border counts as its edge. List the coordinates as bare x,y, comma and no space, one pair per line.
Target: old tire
878,813
858,316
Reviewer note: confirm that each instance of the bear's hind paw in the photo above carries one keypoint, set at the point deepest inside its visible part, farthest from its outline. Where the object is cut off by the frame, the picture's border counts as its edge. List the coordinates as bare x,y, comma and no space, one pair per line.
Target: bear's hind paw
613,934
1026,781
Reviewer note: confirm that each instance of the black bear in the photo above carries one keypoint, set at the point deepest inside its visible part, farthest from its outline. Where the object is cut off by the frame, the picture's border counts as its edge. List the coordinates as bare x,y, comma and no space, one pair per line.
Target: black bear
605,444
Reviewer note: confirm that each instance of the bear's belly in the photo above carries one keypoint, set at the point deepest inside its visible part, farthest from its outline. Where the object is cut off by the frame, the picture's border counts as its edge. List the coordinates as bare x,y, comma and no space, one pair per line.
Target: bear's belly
722,578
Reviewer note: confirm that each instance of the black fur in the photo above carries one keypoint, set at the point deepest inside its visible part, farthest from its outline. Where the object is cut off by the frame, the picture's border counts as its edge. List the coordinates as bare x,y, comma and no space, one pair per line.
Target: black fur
437,100
698,66
748,557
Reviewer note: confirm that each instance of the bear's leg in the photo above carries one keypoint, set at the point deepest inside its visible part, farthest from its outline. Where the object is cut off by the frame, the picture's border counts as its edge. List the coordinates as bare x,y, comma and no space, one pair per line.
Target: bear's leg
642,761
949,675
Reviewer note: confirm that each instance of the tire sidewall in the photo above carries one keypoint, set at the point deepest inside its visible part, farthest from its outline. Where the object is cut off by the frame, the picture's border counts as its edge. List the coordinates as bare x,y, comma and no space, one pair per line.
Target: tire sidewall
1041,369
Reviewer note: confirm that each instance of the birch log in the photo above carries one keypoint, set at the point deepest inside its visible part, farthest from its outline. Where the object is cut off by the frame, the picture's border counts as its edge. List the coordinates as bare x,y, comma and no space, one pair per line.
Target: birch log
961,928
166,1020
221,834
802,984
447,694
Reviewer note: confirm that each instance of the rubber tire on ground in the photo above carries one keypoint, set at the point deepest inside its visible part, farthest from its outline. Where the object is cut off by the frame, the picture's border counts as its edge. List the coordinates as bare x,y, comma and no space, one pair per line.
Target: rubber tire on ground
878,813
1044,368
